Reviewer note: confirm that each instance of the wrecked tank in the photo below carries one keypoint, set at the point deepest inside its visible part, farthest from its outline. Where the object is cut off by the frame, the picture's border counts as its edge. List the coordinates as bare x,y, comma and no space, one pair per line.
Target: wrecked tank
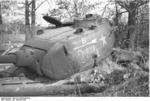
62,51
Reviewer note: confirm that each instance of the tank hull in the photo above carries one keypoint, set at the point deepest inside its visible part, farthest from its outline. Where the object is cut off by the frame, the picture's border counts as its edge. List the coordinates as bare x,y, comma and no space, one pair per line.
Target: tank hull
60,53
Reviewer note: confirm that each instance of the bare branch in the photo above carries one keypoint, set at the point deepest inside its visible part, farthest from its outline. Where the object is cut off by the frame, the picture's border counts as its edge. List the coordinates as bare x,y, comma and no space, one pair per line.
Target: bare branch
68,13
48,3
123,4
122,12
105,8
40,4
142,3
30,3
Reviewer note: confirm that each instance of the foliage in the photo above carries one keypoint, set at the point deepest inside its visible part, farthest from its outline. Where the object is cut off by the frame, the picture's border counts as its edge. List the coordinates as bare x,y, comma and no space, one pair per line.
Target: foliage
69,9
11,10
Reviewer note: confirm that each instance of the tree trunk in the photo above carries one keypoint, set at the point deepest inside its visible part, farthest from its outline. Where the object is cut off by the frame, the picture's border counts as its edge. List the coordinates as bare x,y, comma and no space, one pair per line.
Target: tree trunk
33,18
131,22
131,17
1,21
116,16
27,21
131,31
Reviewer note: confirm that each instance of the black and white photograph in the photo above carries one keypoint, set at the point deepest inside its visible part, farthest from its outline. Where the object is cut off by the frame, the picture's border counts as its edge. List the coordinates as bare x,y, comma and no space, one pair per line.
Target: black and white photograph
74,48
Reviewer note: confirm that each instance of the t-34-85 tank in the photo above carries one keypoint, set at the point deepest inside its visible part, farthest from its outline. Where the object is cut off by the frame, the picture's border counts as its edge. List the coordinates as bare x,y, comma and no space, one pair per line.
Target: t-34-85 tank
66,49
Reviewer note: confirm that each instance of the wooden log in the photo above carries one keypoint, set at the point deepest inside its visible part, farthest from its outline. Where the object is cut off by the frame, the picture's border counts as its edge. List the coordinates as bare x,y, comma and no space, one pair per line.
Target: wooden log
43,89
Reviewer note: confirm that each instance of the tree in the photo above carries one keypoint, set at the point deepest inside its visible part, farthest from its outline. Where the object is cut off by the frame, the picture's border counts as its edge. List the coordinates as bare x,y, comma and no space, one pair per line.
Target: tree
117,14
30,27
33,17
0,15
1,22
27,20
131,6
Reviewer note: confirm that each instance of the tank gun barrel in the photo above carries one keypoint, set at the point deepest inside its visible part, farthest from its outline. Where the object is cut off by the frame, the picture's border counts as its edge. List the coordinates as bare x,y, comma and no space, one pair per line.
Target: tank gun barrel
8,58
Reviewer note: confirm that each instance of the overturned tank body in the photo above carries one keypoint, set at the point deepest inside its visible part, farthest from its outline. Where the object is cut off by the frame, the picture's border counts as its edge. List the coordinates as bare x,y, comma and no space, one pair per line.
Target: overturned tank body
66,49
